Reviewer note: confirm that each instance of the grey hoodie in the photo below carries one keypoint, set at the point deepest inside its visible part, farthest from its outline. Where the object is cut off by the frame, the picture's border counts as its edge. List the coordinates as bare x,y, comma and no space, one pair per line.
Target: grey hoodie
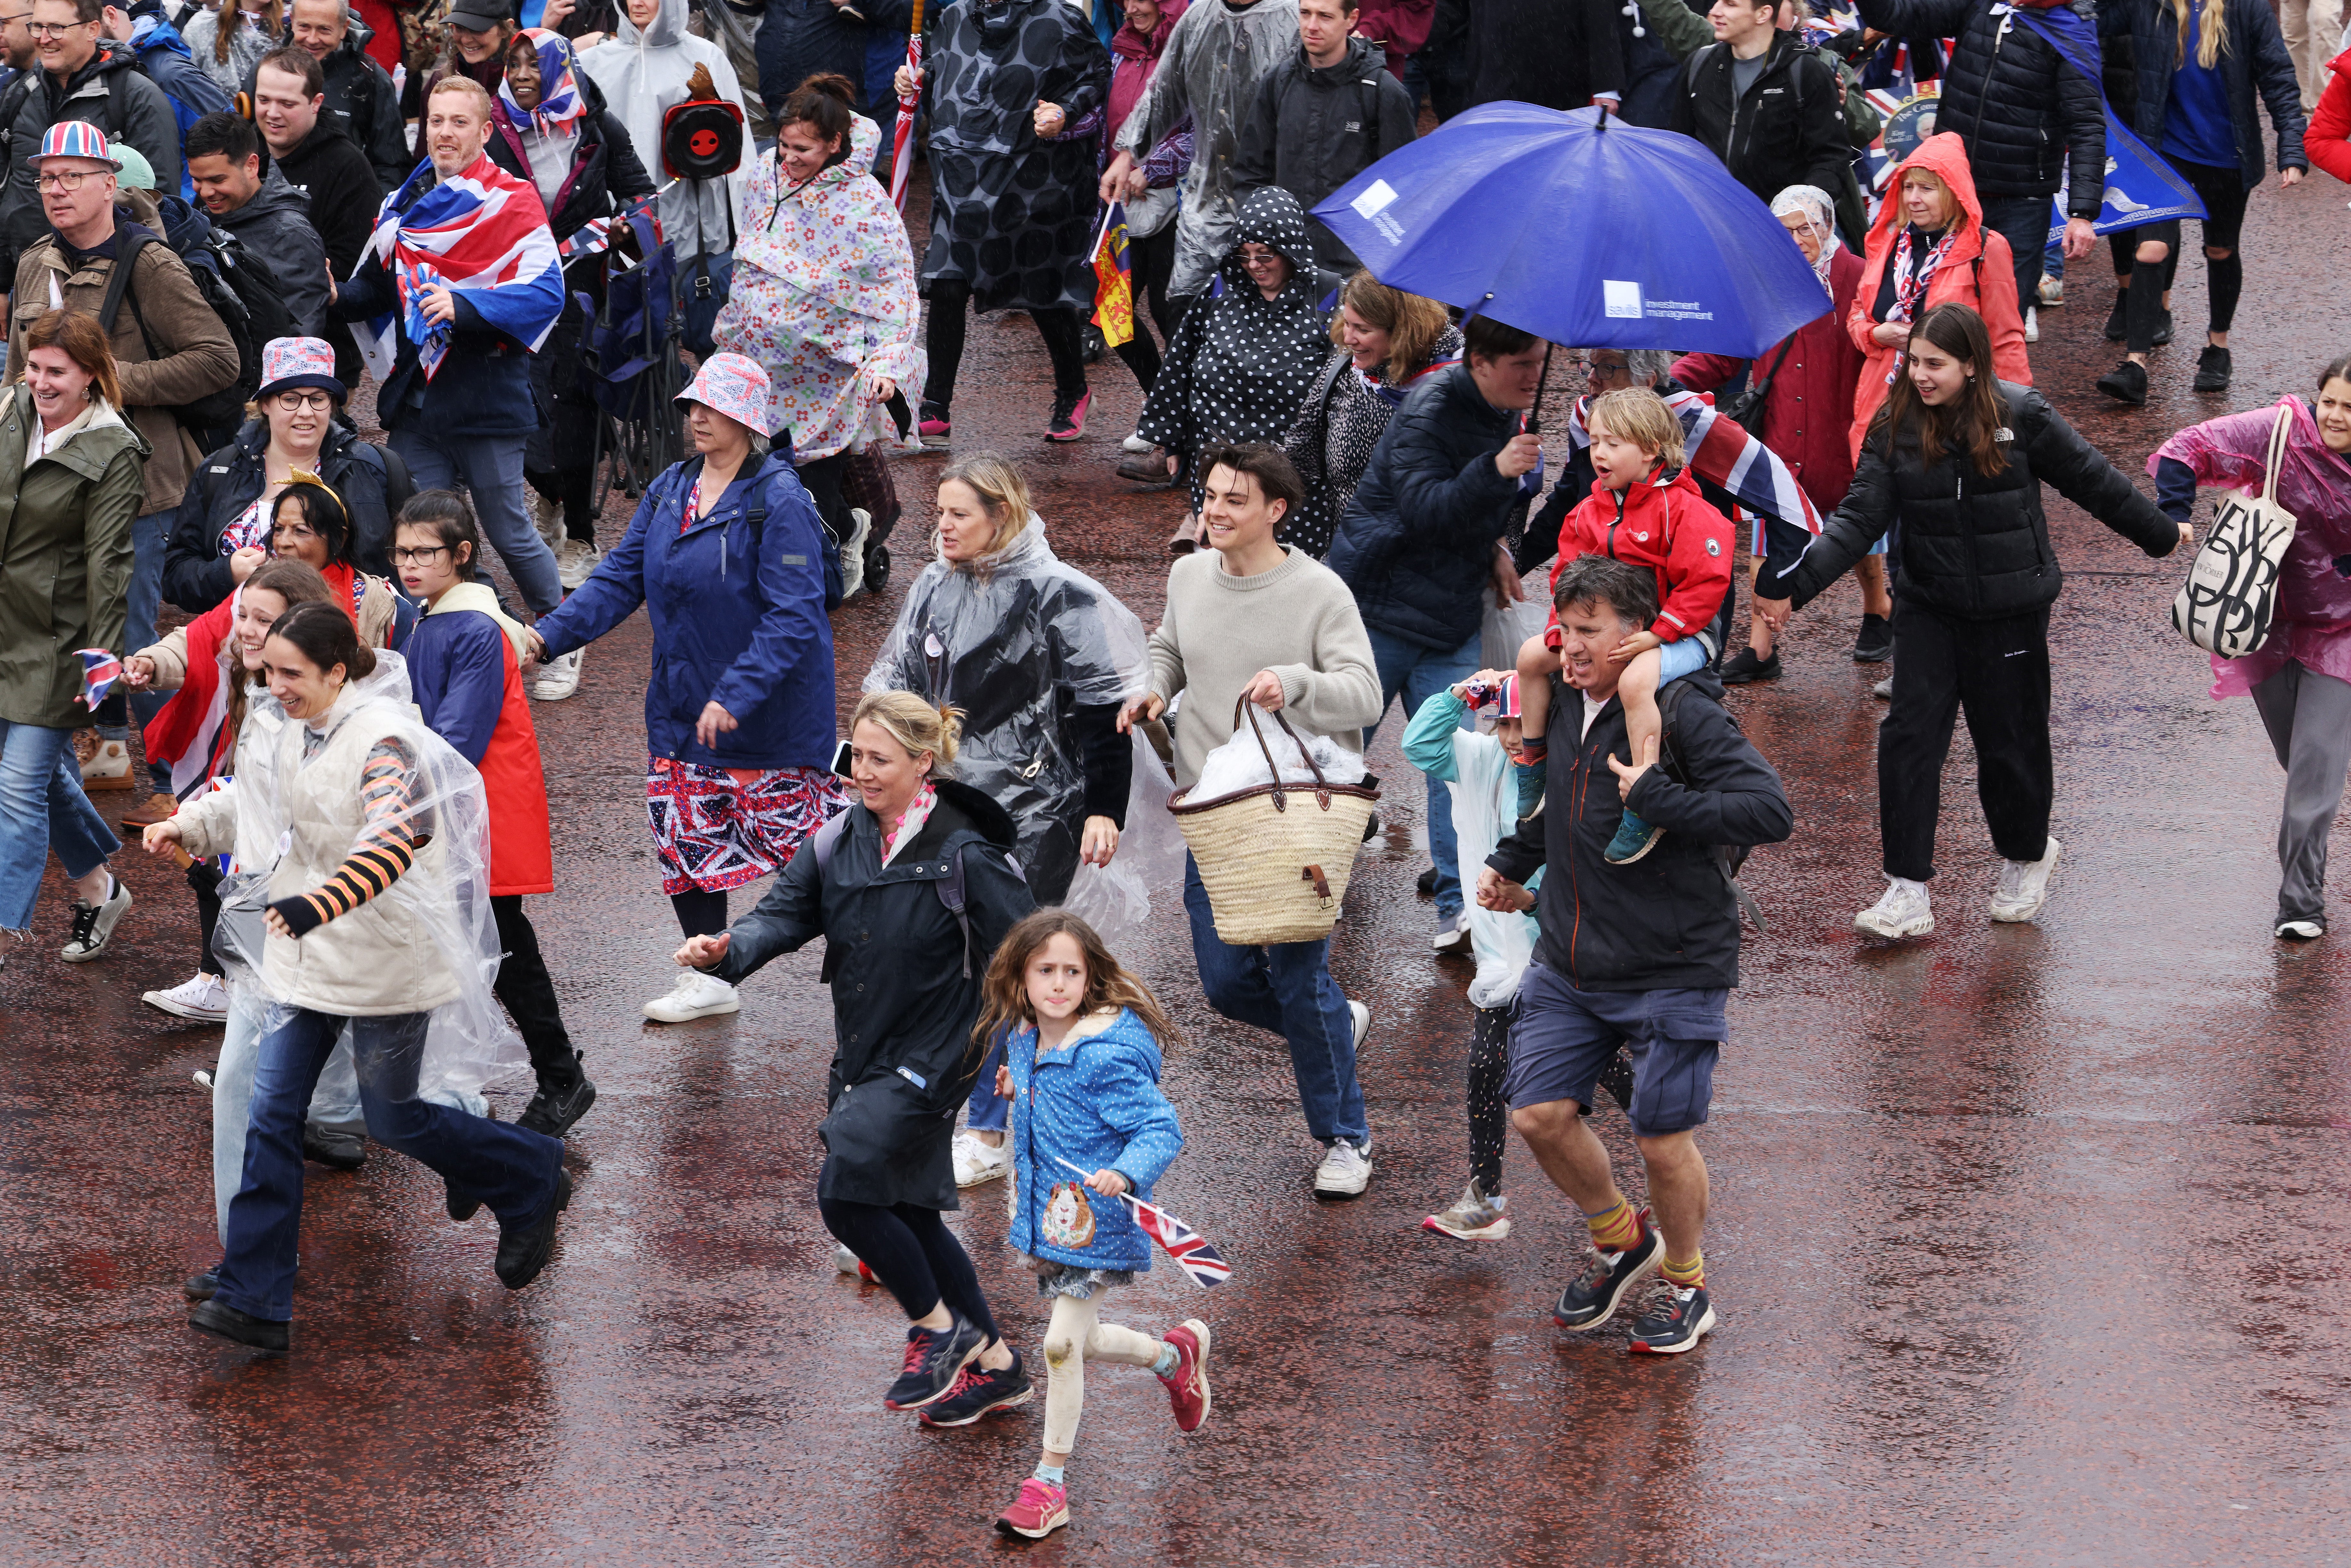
644,73
274,229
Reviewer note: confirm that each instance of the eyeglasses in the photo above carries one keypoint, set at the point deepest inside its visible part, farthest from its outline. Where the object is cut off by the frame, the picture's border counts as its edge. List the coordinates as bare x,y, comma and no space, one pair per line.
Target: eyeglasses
53,29
417,556
292,402
66,180
1599,371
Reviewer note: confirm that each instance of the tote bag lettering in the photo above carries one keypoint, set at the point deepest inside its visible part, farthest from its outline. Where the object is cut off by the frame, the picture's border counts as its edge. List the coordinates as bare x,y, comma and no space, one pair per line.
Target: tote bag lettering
2231,594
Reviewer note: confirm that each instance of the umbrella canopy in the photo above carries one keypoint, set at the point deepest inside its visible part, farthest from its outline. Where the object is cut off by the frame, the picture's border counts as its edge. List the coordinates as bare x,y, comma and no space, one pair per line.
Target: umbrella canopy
1581,229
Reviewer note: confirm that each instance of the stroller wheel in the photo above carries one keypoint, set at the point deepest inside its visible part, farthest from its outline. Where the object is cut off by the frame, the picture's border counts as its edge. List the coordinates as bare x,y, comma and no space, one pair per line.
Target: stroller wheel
877,567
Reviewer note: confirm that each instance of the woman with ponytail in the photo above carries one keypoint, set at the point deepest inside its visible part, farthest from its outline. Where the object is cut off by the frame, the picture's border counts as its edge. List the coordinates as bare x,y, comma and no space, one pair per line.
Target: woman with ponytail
229,41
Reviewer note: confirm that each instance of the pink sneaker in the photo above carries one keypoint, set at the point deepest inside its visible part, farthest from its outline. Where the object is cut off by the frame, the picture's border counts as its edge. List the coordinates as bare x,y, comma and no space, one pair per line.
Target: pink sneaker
1042,1509
1188,1390
1069,423
935,428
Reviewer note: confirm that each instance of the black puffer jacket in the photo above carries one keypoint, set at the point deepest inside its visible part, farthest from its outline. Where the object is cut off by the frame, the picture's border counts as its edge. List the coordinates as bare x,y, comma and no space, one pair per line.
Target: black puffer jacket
1312,128
372,481
904,999
2023,113
1789,128
1976,545
2255,60
1416,545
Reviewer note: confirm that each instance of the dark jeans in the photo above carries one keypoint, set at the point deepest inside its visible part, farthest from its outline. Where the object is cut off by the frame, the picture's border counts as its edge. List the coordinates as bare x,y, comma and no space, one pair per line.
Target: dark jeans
1998,672
2023,222
1150,262
913,1253
950,298
205,878
511,1170
122,706
1286,988
524,991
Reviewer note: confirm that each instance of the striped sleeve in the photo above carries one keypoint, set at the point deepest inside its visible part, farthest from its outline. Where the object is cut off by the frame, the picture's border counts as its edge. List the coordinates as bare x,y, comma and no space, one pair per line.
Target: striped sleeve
386,849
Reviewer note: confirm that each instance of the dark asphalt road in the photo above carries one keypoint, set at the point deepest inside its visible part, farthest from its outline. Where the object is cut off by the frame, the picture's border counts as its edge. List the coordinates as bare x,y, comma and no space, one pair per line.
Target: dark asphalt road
2024,1239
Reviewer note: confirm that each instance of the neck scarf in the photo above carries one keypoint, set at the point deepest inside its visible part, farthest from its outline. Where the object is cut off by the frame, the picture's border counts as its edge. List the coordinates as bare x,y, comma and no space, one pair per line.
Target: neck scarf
897,835
560,102
349,586
1909,291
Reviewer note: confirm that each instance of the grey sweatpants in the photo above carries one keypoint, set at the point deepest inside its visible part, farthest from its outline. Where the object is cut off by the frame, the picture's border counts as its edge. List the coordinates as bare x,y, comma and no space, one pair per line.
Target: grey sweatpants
2308,717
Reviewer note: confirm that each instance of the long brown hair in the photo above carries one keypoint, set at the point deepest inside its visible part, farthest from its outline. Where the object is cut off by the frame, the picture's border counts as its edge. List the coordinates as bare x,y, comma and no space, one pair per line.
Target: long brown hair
295,582
230,17
84,342
1003,996
1971,423
1412,322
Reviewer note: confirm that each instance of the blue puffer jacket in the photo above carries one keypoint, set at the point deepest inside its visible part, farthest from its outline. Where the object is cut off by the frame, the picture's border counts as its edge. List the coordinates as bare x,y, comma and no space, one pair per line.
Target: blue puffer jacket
1095,1102
1416,546
2255,61
738,614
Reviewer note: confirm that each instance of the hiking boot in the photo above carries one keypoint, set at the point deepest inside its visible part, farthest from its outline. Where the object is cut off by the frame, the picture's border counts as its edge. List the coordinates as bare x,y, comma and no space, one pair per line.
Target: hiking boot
1187,1385
1476,1216
977,1392
1673,1323
1634,838
1592,1297
2126,382
934,1357
1069,421
1042,1509
1875,643
2023,886
2213,368
1902,912
1748,666
94,924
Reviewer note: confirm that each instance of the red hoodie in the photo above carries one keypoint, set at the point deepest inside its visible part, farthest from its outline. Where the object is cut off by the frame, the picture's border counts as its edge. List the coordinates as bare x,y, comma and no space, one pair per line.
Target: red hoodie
1665,525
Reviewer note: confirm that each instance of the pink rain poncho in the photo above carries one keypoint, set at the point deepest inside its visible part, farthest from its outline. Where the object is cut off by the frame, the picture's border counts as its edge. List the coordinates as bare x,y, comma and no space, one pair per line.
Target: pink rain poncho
2313,625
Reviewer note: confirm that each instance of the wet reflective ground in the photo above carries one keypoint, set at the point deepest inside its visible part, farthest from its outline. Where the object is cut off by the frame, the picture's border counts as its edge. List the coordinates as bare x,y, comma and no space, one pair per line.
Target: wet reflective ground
2027,1242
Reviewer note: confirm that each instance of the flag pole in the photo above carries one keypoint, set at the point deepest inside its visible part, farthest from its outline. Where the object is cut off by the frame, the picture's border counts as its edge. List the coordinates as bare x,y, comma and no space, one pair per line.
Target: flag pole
909,105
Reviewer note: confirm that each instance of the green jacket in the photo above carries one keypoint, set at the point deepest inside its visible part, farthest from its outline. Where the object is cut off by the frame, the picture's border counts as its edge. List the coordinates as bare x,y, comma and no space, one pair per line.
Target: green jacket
65,557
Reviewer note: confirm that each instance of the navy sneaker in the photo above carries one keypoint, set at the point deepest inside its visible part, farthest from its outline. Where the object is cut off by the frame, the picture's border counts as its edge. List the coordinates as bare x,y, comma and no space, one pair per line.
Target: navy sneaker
1593,1298
1634,838
977,1392
1673,1323
933,1356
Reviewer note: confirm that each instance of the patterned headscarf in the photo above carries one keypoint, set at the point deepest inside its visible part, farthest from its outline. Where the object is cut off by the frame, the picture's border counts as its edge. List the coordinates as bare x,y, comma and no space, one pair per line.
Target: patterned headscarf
560,102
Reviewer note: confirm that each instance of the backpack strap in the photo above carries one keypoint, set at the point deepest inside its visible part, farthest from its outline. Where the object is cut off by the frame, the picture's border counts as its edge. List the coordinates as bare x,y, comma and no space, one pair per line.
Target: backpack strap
1669,707
126,262
828,838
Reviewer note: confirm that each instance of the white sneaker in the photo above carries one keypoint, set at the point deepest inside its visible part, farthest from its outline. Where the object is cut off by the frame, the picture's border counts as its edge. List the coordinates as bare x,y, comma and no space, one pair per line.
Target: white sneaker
2023,886
204,998
1345,1170
1135,443
574,559
547,517
94,924
1453,934
2032,324
1884,690
1363,1016
975,1163
844,1261
2301,930
695,995
108,767
853,553
557,678
1903,912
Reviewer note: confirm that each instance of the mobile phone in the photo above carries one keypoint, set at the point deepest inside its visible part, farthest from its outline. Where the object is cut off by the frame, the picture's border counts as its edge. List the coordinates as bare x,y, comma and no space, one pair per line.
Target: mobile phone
840,760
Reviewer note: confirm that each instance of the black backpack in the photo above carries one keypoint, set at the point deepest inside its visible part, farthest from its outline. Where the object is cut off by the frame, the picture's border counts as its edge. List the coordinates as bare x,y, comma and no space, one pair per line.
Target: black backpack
241,292
1728,858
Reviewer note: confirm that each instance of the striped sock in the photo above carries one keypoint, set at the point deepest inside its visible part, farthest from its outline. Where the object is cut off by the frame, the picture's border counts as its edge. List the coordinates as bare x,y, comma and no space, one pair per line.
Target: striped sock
1688,1276
1615,1228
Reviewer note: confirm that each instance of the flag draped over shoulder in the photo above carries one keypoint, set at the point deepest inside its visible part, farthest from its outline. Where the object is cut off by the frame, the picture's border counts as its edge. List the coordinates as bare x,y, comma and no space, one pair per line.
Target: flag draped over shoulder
483,235
2141,188
1720,451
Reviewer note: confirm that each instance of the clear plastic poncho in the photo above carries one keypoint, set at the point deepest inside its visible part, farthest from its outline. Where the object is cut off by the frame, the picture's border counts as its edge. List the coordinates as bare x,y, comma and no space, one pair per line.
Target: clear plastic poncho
435,935
1017,641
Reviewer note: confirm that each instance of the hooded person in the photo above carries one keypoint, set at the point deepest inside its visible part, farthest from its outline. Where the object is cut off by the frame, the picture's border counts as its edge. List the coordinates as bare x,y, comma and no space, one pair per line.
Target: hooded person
1312,128
644,72
1929,248
248,197
1247,353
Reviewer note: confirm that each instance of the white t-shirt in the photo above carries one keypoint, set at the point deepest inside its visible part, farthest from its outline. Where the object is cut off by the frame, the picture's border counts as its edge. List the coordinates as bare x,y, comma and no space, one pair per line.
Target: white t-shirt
1591,711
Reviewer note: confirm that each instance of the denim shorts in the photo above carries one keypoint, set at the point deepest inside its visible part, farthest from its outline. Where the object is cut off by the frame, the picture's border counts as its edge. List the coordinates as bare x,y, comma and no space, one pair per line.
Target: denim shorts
1565,1036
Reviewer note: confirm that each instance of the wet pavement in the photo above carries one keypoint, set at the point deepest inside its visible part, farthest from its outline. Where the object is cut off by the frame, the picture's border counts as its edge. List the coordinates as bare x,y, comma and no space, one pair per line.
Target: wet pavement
2025,1238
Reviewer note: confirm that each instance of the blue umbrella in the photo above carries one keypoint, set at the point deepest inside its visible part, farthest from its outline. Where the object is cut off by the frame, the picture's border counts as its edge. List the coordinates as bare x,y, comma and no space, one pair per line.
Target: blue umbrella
1581,229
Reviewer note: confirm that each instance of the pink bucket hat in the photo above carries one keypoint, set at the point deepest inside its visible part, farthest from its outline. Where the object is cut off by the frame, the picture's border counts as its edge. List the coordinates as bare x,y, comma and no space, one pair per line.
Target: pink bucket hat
290,362
736,387
77,138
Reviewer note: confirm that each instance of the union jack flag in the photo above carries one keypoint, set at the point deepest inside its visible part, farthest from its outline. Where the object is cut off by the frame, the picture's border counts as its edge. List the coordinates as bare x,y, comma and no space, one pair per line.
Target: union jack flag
1186,1246
99,671
1720,451
482,234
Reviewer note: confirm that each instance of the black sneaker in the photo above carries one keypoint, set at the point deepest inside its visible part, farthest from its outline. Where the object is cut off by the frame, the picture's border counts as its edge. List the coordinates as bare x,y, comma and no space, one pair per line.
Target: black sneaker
94,924
2117,322
2163,330
933,1358
1593,1298
226,1322
1875,644
977,1392
553,1111
523,1250
2213,368
1675,1322
2126,382
334,1149
1617,1079
1427,882
1746,665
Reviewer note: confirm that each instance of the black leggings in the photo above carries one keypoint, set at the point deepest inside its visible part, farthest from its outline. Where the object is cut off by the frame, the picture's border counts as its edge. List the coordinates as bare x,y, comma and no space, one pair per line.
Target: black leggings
913,1253
2225,196
1151,261
1490,1116
700,914
821,476
1063,333
527,992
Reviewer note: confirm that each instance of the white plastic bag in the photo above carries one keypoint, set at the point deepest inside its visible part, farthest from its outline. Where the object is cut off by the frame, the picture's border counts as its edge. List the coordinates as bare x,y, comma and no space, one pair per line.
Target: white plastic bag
1241,763
1506,627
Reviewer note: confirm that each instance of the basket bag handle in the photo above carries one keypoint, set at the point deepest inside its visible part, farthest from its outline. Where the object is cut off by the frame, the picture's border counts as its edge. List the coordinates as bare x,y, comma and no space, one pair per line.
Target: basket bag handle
1242,705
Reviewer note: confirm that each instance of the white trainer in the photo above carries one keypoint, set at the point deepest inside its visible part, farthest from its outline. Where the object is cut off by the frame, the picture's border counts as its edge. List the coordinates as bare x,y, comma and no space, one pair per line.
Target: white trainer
557,678
2023,886
695,995
547,517
1903,912
2032,324
2301,930
1362,1019
204,998
1345,1170
975,1163
574,560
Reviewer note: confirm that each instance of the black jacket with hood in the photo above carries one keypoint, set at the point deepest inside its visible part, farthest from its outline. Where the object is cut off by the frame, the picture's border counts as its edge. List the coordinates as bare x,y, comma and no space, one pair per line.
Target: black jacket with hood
1314,128
109,91
2255,63
1976,546
1789,128
361,102
905,984
1670,920
274,228
328,168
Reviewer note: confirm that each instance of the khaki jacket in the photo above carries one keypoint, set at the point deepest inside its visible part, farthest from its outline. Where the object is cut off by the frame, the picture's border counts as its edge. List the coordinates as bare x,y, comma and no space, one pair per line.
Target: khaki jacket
64,557
193,355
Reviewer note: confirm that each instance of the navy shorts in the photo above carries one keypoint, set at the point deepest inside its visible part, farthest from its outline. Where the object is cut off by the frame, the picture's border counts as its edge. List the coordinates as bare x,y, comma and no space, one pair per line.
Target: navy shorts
1565,1036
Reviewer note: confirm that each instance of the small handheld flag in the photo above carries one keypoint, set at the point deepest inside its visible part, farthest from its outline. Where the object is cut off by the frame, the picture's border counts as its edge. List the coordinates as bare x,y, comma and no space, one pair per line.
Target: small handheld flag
1186,1246
1114,287
99,671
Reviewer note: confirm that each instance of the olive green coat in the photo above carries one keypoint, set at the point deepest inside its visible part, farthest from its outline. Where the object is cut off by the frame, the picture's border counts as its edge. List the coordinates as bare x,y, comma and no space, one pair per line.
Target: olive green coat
64,557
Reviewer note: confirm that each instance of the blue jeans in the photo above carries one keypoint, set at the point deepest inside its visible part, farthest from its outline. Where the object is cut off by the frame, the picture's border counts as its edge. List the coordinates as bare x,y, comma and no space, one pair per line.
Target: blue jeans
42,807
149,536
1419,673
488,467
511,1170
2023,222
1286,988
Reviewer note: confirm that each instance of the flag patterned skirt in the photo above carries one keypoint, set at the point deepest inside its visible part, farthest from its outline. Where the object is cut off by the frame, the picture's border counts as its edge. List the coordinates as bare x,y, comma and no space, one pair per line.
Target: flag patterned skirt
720,828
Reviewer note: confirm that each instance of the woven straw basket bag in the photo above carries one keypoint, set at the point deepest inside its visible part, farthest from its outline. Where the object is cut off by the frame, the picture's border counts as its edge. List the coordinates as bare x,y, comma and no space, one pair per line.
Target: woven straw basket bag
1275,859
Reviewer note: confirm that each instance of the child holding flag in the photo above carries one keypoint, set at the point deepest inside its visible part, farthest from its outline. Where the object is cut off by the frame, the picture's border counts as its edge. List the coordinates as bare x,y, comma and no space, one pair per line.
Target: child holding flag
1082,1069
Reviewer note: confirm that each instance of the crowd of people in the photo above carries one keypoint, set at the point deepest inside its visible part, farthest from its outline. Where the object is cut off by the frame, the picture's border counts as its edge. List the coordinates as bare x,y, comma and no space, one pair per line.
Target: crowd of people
218,224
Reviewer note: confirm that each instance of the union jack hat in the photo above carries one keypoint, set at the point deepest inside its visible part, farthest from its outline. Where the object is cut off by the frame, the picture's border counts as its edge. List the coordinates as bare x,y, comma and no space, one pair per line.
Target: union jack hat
77,138
736,386
288,364
1507,706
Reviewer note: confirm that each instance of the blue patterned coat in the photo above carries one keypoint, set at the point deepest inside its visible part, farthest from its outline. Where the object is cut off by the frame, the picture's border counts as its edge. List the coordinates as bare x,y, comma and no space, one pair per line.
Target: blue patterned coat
1094,1101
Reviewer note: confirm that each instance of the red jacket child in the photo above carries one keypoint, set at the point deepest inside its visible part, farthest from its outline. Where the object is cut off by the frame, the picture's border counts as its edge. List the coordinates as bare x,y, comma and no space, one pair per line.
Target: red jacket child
2330,123
1665,524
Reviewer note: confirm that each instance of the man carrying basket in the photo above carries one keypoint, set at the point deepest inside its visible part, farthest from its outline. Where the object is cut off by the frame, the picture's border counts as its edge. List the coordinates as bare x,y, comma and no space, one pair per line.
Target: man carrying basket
1250,618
